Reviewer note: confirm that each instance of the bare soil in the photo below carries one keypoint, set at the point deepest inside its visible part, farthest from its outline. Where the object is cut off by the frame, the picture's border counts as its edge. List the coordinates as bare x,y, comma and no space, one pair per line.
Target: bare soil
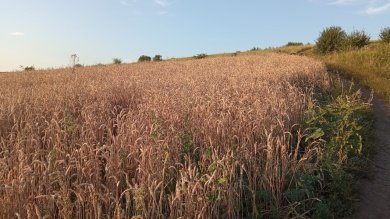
375,188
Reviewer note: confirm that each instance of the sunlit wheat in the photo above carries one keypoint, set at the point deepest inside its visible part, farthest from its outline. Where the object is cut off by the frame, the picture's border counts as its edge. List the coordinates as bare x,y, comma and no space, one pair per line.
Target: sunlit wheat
192,139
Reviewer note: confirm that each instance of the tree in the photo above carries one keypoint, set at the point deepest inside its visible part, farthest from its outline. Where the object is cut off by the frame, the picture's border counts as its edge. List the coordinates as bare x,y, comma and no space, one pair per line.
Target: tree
117,61
27,68
144,58
157,58
331,39
200,56
358,39
385,35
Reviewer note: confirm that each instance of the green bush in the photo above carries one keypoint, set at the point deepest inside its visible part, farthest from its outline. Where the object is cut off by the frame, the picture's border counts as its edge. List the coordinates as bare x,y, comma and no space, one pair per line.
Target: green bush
117,61
357,39
342,121
144,58
200,56
385,35
157,58
331,39
294,44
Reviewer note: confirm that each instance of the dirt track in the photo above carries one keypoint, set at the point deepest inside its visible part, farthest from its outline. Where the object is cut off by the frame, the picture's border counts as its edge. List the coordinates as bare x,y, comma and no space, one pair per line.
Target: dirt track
375,189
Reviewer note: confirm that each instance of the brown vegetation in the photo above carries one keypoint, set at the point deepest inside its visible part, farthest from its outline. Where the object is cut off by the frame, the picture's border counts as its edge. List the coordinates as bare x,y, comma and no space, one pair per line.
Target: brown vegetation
209,138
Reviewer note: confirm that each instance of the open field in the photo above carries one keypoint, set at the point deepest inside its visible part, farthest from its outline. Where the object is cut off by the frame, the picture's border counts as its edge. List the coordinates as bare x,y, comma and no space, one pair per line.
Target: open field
217,137
175,109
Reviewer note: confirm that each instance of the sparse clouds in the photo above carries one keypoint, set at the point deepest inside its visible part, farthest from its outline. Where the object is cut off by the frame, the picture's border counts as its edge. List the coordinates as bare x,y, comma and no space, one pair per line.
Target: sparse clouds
378,9
124,3
367,7
163,3
127,2
17,34
343,2
135,10
137,7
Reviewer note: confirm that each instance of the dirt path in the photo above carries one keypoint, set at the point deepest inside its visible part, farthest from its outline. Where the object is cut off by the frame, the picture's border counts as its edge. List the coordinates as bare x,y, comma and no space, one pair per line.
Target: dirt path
375,189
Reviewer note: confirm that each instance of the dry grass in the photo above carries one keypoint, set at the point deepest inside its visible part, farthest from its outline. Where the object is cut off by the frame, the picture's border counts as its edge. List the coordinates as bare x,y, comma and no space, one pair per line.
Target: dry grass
369,66
191,139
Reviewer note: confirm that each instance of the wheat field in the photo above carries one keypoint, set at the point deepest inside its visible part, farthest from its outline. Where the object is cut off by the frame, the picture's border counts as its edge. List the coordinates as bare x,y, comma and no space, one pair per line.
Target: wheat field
174,139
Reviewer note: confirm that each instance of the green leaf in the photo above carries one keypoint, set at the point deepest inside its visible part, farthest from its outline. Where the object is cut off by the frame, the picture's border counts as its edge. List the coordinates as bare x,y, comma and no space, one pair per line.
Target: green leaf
318,133
222,181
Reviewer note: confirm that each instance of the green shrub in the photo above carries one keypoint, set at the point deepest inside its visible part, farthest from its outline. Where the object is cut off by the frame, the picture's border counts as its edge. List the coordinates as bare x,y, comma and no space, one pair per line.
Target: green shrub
294,44
78,65
342,121
357,39
117,61
331,39
385,35
157,58
144,58
200,56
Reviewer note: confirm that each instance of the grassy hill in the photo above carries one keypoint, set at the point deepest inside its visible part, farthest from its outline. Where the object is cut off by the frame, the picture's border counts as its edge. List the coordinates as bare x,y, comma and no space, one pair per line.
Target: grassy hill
370,66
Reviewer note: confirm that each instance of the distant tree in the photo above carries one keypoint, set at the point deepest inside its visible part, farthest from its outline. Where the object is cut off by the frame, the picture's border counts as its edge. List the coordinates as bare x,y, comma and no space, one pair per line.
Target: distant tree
357,39
78,65
331,39
157,58
27,68
117,61
294,44
200,56
144,58
385,35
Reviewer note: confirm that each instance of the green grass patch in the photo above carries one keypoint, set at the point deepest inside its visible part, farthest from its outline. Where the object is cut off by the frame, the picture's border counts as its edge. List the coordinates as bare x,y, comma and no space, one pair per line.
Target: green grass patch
370,66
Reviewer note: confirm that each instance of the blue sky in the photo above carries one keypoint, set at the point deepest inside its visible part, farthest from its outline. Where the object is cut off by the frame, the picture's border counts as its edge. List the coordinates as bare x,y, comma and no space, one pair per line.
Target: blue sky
45,33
